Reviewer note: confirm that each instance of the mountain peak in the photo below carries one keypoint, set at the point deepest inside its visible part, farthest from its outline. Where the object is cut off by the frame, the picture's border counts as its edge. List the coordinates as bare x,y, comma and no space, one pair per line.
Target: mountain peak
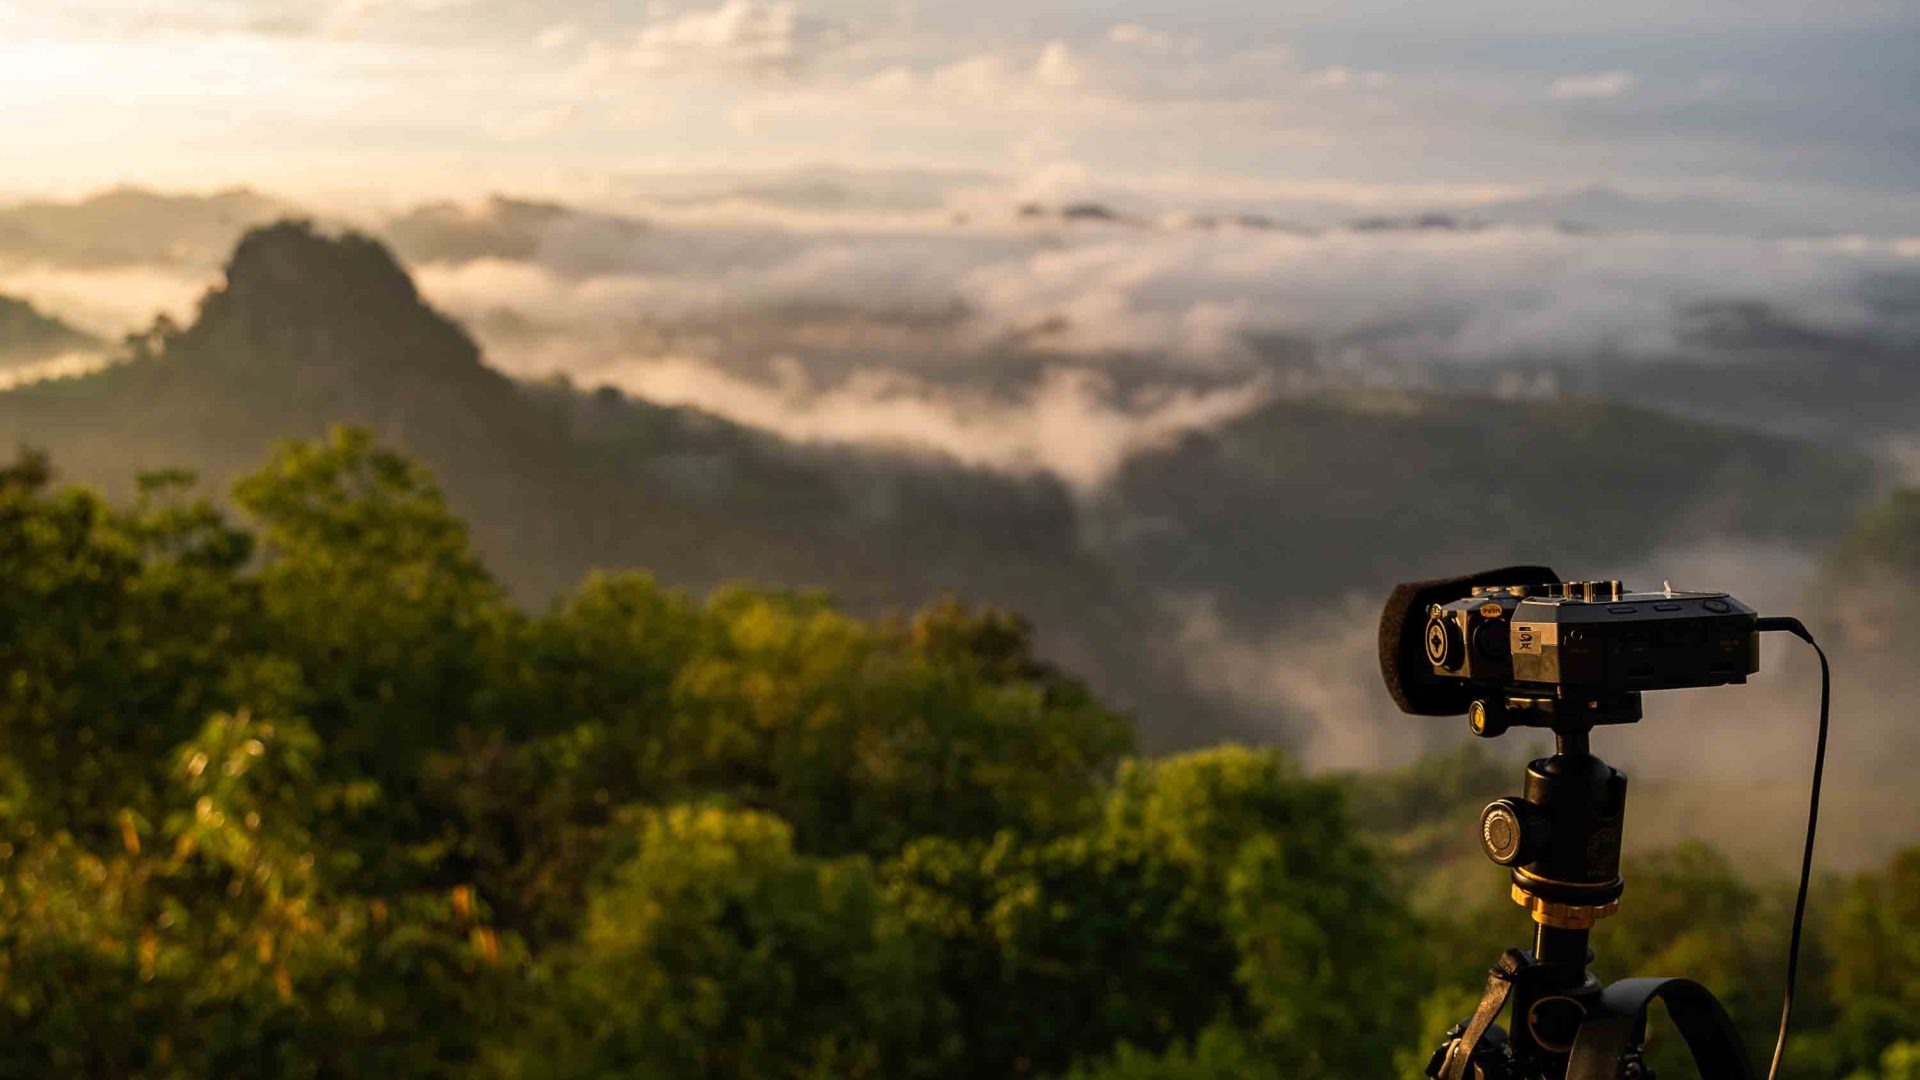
296,297
294,255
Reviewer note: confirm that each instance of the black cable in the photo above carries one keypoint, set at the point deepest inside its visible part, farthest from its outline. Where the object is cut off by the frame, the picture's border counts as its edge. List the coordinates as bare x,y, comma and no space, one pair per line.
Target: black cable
1797,629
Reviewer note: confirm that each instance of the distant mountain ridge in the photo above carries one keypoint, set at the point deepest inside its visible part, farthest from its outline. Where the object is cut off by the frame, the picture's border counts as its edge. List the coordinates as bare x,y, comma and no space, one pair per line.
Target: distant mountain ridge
130,225
506,228
27,335
1598,206
1298,503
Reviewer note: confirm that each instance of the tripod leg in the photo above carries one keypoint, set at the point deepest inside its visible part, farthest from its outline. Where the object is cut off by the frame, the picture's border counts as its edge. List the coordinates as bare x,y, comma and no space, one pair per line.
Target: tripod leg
1459,1052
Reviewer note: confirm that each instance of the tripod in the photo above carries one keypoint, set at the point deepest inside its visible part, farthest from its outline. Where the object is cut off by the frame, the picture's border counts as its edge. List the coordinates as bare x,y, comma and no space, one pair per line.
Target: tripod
1562,839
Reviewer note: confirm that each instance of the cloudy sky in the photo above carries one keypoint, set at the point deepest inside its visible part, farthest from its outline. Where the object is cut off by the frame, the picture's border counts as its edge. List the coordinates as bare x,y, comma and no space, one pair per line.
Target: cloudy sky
1758,140
1810,107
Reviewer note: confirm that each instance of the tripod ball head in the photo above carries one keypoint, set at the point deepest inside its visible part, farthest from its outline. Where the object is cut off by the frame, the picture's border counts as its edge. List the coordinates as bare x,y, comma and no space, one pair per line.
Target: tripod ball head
1562,839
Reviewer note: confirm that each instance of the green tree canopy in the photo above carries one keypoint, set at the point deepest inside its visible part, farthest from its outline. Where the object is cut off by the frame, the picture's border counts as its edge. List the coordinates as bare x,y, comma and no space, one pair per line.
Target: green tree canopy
306,795
717,950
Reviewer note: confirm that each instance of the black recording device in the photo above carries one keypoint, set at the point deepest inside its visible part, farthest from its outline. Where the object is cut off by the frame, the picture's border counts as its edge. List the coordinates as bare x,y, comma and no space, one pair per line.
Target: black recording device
1520,647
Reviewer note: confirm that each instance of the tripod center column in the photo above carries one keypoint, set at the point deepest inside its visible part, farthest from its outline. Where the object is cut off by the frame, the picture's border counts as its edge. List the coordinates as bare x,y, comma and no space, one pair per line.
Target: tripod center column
1571,817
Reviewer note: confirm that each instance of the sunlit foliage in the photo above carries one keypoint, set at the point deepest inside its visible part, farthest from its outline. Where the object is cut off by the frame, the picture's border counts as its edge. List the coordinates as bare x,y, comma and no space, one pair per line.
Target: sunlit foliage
302,792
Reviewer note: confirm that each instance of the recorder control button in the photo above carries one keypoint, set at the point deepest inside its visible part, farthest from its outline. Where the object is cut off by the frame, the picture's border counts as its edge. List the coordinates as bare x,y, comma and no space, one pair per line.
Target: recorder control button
1445,648
1666,607
1622,609
1716,605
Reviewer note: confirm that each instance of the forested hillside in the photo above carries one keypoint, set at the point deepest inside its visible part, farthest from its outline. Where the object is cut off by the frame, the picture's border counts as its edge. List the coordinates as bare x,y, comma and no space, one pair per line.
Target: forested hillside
300,791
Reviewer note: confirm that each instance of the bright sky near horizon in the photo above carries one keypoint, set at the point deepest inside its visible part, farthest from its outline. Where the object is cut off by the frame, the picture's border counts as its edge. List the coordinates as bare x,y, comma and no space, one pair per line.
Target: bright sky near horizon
1385,102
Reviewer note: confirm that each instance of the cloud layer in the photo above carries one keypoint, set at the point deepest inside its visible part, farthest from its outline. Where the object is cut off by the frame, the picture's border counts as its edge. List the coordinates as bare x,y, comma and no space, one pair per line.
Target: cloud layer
1193,301
1037,343
1071,422
1061,337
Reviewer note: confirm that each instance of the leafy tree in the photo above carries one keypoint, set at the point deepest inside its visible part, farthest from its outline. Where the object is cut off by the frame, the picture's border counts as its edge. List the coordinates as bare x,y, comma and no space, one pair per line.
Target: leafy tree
864,737
1877,955
1218,1053
1054,951
219,940
1874,980
1901,1061
371,586
572,724
861,735
1217,887
119,631
1280,854
717,950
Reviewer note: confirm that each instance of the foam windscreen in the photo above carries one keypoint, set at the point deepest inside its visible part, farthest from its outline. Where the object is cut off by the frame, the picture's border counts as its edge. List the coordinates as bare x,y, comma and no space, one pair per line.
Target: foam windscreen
1403,653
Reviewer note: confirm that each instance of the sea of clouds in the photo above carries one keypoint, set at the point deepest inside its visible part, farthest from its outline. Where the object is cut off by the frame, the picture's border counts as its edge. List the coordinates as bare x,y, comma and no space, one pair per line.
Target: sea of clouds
1192,297
1038,342
1066,346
